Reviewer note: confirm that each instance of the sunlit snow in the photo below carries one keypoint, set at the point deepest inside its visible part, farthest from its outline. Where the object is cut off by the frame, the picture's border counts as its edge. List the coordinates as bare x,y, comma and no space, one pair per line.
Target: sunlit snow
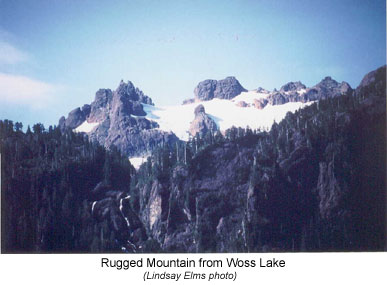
137,161
86,127
249,96
224,112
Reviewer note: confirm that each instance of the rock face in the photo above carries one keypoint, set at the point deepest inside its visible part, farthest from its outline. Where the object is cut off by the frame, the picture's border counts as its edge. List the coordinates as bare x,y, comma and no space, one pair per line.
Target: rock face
298,92
242,104
373,82
303,186
292,86
202,124
115,114
327,88
260,104
291,92
114,207
191,206
209,89
75,117
314,182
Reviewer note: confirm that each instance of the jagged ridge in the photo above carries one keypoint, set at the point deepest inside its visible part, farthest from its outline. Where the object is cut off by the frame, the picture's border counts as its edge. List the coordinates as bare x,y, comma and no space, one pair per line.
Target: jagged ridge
113,120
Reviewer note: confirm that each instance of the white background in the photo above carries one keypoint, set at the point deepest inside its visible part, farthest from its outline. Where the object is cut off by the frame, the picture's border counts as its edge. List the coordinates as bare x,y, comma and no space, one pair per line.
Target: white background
305,268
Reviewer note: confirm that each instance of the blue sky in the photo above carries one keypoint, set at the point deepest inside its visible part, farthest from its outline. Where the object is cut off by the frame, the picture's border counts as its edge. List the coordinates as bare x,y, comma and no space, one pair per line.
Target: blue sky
55,54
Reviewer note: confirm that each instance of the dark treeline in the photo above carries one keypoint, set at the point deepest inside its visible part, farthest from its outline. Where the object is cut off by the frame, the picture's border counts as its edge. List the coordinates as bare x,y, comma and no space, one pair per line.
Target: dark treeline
314,182
47,178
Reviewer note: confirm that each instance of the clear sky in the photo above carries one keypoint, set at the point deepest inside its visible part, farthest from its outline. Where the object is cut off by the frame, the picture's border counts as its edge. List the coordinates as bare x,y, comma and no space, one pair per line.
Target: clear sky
55,54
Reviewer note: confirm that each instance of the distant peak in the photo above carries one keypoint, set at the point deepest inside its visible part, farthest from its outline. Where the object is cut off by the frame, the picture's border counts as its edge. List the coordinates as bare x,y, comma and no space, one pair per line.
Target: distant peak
327,82
292,86
125,86
330,84
262,90
226,88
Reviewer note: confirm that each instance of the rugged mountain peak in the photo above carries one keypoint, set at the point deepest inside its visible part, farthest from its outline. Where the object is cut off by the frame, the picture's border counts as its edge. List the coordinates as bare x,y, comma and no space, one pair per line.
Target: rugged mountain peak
103,96
125,100
292,86
333,85
326,88
227,88
298,92
75,118
132,93
103,99
111,119
328,82
126,89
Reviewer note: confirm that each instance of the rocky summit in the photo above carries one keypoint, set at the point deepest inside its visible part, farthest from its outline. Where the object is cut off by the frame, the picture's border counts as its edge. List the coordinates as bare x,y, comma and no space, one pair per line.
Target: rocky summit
230,88
298,92
114,118
314,181
128,120
209,89
202,124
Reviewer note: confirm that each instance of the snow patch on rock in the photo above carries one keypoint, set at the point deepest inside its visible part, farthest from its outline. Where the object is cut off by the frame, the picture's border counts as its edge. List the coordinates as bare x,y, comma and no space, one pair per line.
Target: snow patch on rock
224,112
86,127
138,160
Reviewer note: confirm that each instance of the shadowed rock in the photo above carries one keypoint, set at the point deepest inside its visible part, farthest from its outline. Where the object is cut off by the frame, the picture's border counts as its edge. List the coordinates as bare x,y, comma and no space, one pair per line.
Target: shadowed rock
118,125
227,88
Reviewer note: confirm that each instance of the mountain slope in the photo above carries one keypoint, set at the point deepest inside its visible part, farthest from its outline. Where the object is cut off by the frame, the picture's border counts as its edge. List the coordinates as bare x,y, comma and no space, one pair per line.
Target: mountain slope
113,120
127,119
60,193
315,182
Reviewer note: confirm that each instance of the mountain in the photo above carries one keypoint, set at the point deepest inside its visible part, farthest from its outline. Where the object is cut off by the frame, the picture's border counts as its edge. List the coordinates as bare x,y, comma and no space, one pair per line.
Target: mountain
202,124
297,92
314,181
225,113
114,119
209,89
127,119
48,188
256,109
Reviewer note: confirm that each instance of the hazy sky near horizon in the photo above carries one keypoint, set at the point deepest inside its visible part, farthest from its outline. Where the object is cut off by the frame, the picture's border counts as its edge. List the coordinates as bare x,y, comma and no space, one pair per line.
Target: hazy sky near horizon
55,54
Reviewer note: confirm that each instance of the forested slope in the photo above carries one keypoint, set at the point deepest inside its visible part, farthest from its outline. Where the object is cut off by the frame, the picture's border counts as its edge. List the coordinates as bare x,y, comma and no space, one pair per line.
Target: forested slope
314,182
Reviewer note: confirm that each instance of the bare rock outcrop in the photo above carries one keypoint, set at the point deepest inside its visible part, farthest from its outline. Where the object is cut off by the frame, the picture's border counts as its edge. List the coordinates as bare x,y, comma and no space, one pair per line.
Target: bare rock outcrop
227,88
119,122
202,123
